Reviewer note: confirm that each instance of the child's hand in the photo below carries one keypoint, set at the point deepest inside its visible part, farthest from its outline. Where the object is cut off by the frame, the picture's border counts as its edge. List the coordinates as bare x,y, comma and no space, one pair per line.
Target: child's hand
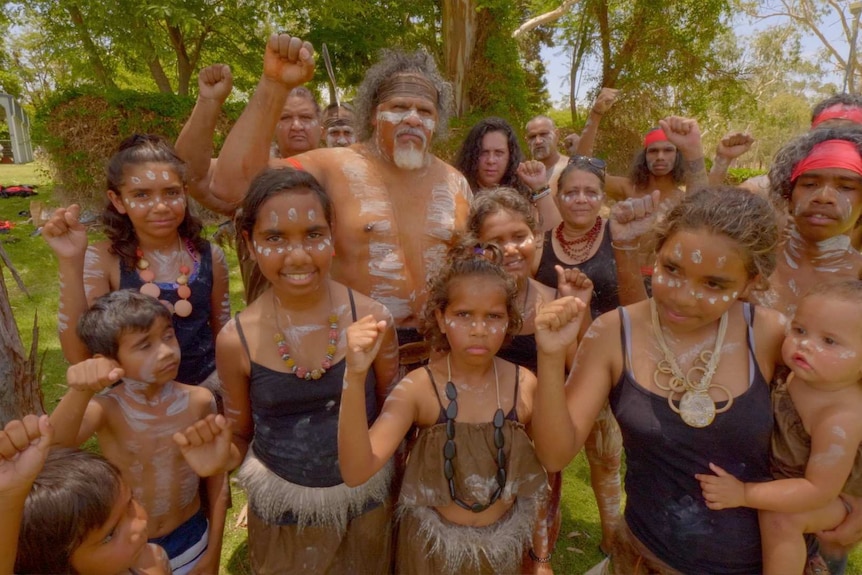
24,446
65,234
94,374
558,323
206,445
364,338
574,282
722,490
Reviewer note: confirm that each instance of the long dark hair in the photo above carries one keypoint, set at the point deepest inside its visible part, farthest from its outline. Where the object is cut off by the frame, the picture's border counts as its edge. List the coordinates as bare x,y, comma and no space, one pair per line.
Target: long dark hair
134,150
467,160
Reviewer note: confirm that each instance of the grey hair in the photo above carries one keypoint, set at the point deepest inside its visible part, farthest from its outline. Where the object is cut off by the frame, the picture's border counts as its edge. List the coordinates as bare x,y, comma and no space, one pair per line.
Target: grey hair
393,62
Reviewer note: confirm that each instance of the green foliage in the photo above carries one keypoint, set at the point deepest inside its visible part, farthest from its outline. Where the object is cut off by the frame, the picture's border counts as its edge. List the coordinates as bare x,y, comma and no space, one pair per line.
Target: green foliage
80,130
736,176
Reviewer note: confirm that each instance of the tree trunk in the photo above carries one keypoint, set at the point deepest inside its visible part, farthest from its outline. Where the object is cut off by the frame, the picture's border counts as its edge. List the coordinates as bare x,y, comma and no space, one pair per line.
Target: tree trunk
20,392
184,67
460,31
93,56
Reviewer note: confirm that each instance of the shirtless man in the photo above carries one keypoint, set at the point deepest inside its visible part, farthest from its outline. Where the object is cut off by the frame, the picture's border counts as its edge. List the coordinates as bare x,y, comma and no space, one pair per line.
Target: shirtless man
819,177
543,139
396,204
664,162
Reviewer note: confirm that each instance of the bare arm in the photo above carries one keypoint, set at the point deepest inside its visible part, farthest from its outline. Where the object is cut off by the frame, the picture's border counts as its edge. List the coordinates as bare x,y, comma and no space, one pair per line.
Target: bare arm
288,62
729,148
83,276
23,448
362,452
195,142
631,220
684,133
234,369
78,417
829,465
603,103
220,298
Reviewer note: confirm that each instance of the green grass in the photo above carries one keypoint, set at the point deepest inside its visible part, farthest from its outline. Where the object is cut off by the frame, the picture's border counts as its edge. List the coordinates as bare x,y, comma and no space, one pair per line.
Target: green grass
577,549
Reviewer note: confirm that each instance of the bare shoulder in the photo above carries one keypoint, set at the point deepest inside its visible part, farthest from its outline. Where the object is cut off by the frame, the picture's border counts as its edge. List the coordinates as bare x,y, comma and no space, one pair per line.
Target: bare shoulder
200,400
543,292
416,392
457,181
769,325
527,383
217,252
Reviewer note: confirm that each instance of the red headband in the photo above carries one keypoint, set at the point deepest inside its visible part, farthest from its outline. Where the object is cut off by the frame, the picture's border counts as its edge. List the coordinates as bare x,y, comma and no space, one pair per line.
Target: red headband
839,112
653,136
830,154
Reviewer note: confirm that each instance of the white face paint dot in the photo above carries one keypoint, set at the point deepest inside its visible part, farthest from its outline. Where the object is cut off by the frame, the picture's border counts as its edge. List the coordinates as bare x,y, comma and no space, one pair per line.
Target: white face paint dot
291,214
736,293
135,180
311,215
151,175
258,249
677,251
150,204
725,298
165,175
712,300
696,256
719,263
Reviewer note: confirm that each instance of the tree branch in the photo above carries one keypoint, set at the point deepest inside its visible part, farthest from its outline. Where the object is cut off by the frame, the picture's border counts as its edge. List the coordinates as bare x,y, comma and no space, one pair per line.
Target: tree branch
541,19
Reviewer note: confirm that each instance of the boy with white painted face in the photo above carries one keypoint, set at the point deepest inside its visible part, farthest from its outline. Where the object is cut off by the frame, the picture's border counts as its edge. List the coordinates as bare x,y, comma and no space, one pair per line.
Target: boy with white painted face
818,177
816,442
136,357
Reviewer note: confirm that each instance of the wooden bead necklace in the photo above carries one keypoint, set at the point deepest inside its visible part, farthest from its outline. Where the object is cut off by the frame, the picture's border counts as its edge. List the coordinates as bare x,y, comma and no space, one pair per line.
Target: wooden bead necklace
280,342
183,307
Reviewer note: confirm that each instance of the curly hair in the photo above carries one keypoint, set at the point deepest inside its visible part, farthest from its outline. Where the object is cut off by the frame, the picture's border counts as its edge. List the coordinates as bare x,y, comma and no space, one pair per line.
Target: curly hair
841,98
746,218
135,150
780,184
71,497
394,62
498,200
639,173
467,159
467,258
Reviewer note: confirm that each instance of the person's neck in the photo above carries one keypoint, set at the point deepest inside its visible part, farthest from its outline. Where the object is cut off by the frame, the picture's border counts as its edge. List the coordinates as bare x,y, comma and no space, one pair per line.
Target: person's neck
152,244
798,249
467,374
293,303
146,393
574,232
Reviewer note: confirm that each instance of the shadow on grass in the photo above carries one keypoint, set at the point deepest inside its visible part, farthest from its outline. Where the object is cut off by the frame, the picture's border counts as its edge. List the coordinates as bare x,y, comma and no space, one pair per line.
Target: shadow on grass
238,564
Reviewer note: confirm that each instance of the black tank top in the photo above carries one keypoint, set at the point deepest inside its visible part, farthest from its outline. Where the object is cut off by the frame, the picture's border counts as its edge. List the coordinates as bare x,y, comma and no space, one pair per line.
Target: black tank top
601,269
521,351
194,334
511,416
665,509
296,421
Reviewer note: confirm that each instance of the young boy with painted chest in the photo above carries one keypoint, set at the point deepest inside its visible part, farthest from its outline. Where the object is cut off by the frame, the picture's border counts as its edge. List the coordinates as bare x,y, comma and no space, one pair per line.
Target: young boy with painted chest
136,355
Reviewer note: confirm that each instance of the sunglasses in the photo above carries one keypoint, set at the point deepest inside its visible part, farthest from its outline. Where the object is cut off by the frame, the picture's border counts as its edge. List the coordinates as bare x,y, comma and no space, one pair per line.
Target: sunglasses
597,163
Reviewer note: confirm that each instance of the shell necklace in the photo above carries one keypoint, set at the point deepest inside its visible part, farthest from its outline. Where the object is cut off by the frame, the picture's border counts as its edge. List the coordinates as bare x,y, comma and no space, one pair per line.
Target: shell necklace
696,407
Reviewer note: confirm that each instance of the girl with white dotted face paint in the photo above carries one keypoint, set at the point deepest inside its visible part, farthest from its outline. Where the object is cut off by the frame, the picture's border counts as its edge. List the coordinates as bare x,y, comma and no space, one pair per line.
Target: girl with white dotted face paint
472,472
154,245
282,364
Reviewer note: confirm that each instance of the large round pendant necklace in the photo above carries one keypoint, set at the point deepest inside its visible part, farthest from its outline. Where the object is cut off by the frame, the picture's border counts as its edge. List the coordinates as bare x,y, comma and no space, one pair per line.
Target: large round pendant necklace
579,248
183,307
283,351
449,450
696,407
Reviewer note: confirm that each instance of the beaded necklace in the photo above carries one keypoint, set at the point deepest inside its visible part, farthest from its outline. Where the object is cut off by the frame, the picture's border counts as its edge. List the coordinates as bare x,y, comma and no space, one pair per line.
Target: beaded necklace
280,342
579,248
449,450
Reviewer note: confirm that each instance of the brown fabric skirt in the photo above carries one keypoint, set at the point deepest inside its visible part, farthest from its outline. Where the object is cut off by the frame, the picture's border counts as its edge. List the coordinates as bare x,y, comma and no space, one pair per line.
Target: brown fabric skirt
631,557
364,548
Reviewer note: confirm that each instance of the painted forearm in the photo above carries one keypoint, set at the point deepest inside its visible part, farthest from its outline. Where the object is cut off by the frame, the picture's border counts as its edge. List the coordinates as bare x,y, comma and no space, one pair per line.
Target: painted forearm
72,305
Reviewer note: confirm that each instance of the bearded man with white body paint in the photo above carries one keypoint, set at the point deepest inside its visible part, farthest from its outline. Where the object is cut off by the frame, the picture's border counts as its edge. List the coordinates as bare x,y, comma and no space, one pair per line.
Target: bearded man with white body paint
397,205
